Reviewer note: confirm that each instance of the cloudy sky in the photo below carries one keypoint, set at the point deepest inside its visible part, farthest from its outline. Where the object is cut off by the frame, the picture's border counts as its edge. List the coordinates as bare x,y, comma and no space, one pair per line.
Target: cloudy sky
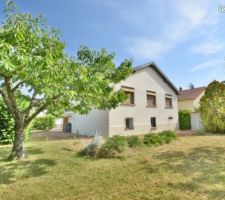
185,38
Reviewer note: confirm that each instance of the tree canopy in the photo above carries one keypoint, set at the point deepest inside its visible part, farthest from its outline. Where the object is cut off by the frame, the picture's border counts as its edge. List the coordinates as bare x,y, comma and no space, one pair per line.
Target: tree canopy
212,107
36,74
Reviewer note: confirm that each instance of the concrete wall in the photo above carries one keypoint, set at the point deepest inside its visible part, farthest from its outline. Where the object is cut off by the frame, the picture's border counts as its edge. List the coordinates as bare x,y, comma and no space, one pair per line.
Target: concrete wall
141,81
89,124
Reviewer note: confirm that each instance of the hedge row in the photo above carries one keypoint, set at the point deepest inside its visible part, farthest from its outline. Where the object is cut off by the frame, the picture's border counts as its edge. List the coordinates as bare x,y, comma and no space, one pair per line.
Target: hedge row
117,144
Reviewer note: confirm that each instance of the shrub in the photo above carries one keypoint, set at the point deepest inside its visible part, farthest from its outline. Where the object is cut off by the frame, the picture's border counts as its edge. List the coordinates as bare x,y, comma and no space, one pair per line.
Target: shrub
43,123
168,136
90,150
6,125
153,139
184,120
112,146
134,141
212,107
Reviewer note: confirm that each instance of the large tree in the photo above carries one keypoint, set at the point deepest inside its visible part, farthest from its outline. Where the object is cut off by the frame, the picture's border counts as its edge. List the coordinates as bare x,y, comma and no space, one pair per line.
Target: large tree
212,107
37,75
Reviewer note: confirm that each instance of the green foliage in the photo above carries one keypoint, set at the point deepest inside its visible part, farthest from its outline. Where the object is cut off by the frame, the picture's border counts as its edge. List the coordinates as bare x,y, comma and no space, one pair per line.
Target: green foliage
212,108
155,139
168,136
36,72
91,150
6,125
43,123
184,120
112,146
134,141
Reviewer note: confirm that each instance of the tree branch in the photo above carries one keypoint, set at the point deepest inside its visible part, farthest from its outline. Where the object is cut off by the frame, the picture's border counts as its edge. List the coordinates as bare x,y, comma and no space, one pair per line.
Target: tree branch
17,85
11,99
39,110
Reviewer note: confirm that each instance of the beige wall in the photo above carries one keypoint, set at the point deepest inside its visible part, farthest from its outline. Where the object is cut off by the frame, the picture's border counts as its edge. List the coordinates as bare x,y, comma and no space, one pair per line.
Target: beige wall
145,79
190,104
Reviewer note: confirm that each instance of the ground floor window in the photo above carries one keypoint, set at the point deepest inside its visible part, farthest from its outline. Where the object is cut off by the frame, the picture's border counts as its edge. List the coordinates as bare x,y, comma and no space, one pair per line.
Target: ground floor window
129,123
153,122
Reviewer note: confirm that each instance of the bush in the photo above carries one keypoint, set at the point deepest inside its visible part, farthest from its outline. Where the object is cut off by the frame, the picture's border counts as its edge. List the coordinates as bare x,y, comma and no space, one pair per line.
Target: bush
43,123
153,139
90,150
212,109
168,136
184,120
6,125
112,146
134,141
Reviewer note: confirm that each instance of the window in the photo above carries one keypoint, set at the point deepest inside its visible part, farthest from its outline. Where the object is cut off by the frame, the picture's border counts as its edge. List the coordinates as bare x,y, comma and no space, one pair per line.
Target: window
130,95
168,101
129,123
153,122
151,99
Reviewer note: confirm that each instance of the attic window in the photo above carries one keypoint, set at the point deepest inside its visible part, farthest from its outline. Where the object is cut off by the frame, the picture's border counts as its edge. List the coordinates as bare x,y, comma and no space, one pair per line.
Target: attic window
151,99
130,95
168,101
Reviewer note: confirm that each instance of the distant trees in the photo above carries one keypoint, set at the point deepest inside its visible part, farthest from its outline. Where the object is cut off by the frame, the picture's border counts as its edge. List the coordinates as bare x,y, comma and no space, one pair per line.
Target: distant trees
191,86
212,107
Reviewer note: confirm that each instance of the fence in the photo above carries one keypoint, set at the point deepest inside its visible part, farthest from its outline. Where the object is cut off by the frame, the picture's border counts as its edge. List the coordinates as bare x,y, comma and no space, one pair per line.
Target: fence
196,123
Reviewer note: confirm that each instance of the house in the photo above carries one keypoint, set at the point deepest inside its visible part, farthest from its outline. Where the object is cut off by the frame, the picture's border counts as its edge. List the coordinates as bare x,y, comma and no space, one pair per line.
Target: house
151,106
189,99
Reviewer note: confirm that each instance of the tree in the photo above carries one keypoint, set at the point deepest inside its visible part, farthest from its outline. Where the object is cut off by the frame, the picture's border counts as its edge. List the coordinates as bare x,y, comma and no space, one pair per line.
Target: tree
212,107
37,75
191,86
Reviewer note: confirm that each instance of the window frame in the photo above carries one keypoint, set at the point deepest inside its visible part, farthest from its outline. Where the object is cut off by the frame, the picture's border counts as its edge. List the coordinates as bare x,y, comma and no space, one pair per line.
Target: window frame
169,97
130,126
152,94
130,90
153,127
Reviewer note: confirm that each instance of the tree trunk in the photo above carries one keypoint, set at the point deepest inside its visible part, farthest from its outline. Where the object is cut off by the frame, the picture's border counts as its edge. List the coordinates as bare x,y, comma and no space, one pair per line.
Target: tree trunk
18,143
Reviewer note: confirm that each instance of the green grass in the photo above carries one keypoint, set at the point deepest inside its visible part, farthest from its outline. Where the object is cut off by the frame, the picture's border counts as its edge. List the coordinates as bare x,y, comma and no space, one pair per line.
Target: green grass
188,168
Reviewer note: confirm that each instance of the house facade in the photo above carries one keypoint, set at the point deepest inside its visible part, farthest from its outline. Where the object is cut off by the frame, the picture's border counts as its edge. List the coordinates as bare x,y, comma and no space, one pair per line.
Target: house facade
190,99
151,106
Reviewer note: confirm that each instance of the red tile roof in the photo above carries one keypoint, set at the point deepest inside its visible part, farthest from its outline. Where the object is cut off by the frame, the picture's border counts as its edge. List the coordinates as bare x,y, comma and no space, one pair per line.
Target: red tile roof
190,94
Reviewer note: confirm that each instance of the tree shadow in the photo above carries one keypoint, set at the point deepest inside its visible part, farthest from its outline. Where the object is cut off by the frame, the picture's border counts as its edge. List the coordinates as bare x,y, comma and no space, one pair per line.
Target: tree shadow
11,172
204,166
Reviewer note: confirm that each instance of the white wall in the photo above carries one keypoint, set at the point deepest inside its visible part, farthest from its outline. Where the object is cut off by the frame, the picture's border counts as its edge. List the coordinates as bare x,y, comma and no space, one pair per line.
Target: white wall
89,124
145,79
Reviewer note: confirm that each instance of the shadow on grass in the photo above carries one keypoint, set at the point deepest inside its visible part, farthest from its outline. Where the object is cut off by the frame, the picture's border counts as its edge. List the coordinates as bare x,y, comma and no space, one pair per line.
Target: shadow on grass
205,166
11,172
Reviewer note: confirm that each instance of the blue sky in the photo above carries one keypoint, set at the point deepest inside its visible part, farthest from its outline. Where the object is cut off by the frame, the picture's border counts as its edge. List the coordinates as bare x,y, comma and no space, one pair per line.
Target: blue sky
185,38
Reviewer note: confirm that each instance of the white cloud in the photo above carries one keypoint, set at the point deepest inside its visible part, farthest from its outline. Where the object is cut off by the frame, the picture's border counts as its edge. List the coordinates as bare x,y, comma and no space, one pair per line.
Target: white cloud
187,20
215,64
210,47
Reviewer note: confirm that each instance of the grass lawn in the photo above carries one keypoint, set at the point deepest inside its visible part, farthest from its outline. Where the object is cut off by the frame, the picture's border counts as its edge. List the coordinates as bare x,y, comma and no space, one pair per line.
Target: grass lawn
189,168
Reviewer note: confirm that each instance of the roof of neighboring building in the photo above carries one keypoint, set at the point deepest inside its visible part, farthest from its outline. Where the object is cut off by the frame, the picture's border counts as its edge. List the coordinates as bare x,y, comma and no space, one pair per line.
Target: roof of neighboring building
158,70
190,94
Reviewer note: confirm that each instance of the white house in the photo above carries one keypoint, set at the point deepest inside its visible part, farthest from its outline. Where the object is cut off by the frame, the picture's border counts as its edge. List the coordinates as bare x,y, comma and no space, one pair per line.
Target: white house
151,106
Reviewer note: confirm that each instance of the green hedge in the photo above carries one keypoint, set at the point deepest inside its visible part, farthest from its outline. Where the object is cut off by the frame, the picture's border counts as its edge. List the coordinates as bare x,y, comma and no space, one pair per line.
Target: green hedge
6,125
43,123
155,139
184,120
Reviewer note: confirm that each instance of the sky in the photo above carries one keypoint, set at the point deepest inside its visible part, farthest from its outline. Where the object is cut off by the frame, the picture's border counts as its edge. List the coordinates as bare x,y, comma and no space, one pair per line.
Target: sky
185,38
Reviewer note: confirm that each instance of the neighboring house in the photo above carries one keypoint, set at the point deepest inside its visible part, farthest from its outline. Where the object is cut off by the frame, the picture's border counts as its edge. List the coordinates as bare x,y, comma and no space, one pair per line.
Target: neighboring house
189,99
151,106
